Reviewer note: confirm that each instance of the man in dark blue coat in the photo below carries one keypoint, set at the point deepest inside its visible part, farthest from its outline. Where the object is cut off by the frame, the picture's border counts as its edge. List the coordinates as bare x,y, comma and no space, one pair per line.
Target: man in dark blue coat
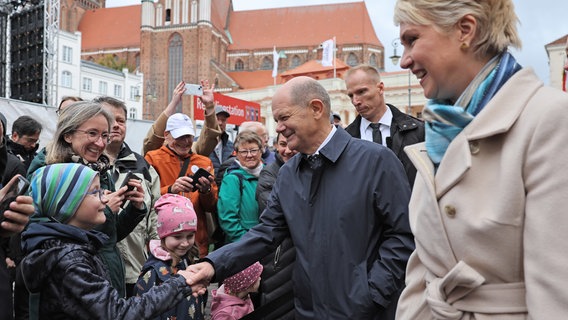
346,210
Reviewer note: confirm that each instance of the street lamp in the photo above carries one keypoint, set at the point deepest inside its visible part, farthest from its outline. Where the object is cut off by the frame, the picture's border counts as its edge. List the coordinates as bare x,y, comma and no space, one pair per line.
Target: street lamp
395,58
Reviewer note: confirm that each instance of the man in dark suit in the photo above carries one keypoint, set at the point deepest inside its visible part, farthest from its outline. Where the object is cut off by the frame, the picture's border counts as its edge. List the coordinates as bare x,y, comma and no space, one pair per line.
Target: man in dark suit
380,122
343,202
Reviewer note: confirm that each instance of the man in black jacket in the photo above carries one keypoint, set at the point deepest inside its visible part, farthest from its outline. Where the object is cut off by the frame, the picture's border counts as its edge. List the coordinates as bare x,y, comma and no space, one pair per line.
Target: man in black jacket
24,139
397,130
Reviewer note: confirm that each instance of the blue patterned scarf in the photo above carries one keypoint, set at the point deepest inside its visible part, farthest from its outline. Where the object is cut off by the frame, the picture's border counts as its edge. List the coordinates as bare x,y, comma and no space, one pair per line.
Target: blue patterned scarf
444,122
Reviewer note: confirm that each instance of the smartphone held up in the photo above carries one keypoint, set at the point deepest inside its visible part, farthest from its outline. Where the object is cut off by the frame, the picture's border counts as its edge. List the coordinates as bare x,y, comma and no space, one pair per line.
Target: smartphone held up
193,89
16,187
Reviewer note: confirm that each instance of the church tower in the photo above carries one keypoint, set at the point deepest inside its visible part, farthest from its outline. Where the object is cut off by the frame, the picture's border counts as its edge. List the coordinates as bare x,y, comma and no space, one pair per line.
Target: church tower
179,41
72,11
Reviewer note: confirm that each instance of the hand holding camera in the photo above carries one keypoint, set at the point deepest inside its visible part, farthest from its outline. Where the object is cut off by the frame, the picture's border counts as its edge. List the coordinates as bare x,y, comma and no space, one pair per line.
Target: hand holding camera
203,185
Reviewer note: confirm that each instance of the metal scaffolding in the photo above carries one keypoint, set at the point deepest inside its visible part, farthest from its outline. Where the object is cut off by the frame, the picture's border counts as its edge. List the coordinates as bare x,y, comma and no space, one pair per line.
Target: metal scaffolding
50,48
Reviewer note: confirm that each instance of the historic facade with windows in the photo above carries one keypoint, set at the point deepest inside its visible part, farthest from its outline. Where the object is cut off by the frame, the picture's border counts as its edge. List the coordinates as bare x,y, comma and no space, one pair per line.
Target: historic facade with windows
190,40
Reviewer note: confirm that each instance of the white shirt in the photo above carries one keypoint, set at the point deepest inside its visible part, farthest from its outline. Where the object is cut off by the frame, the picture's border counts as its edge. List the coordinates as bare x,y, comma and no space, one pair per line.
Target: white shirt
385,124
331,133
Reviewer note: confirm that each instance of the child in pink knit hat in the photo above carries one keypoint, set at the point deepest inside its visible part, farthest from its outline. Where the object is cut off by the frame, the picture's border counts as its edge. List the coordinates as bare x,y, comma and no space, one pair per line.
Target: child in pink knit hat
176,250
232,300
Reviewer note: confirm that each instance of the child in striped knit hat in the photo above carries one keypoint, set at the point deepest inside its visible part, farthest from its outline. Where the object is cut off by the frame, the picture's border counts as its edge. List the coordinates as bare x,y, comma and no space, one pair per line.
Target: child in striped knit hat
62,268
232,299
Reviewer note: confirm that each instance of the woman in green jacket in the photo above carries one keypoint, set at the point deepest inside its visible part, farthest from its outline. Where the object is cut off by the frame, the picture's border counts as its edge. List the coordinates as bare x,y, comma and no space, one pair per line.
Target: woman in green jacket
237,206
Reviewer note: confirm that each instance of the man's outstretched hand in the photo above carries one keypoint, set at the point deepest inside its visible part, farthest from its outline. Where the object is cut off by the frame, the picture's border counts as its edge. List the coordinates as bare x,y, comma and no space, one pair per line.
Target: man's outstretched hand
198,277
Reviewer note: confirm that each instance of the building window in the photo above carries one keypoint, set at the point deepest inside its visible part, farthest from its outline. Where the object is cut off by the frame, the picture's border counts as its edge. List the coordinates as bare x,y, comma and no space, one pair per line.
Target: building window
239,65
168,15
67,54
175,64
296,61
132,114
103,87
137,62
66,79
118,91
373,60
352,60
266,64
134,93
87,84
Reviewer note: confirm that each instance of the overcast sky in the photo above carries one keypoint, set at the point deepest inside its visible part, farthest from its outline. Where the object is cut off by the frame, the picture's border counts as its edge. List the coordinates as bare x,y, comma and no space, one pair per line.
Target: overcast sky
542,22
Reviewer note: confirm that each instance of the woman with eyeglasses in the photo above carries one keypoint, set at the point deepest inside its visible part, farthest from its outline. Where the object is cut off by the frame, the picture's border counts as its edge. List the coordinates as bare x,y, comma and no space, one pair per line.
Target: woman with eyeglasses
237,207
81,136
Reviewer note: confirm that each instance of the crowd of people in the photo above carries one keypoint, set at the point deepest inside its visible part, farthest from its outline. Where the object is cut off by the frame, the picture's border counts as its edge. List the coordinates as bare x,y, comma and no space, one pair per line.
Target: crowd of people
456,216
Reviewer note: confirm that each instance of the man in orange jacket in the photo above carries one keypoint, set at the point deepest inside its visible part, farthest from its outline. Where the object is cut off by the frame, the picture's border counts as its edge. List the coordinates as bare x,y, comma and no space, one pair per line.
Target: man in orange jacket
171,158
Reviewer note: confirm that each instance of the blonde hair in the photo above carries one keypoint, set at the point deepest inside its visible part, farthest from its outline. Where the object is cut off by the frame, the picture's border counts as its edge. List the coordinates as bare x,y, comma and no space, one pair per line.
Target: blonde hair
58,150
496,20
369,70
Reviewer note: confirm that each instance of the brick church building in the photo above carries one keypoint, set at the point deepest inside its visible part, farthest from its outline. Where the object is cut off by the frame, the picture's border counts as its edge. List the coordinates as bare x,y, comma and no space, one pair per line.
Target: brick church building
174,40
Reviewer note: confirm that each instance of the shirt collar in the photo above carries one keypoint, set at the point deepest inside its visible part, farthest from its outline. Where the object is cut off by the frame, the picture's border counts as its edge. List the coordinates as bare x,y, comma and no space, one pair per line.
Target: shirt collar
385,120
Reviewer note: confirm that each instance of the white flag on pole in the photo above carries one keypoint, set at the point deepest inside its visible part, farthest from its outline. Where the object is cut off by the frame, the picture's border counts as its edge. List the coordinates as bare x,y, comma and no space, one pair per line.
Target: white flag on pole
327,55
275,57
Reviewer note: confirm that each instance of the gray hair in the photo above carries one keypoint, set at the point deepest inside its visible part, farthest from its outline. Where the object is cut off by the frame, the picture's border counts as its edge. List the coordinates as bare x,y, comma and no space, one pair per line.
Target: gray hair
248,137
58,150
303,92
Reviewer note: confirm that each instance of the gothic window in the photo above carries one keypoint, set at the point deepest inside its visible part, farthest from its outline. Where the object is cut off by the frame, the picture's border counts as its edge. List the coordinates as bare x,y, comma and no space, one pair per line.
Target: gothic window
352,60
239,65
175,63
266,64
296,61
168,15
373,60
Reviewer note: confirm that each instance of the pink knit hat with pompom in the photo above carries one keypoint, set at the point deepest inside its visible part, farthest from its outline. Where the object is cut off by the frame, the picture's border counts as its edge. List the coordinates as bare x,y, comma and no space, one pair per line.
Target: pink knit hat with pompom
241,281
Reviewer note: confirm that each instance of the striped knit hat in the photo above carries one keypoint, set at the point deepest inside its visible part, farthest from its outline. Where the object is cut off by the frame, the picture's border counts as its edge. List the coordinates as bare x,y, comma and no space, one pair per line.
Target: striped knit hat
59,189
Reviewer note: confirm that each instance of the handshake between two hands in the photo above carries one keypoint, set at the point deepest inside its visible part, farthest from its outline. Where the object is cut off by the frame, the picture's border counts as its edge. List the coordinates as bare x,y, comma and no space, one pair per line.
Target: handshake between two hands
198,277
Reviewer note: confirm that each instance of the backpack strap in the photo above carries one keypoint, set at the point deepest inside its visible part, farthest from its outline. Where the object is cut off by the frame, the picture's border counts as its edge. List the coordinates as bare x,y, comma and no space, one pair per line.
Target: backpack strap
184,167
241,178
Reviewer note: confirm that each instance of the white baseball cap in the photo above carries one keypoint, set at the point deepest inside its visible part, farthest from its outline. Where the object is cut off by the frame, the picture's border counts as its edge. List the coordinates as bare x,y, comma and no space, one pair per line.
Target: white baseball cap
179,125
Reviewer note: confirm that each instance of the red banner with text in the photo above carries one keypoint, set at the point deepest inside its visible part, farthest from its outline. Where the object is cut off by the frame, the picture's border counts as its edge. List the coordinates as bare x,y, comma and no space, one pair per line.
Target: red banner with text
240,110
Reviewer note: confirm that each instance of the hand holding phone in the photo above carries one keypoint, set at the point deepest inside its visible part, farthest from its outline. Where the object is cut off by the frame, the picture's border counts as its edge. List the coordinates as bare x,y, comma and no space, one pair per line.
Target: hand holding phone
16,187
198,173
130,175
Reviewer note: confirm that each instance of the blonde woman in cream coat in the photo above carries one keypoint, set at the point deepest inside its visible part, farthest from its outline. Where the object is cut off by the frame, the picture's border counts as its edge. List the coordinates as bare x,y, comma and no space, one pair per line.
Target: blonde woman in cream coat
490,200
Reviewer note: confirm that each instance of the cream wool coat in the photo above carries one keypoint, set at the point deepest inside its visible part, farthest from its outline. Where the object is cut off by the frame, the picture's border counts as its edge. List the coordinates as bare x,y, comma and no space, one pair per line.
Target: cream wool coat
491,227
